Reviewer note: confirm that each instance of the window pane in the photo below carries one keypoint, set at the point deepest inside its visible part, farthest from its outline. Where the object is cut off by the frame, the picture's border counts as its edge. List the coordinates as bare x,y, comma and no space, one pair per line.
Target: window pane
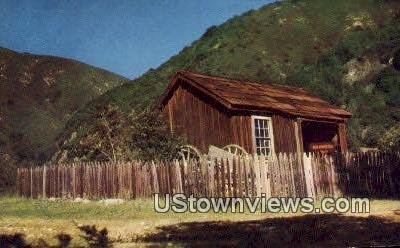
262,137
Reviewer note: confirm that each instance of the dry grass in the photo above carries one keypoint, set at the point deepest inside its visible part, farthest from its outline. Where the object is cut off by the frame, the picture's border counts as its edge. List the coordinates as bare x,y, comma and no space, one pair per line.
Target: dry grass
126,221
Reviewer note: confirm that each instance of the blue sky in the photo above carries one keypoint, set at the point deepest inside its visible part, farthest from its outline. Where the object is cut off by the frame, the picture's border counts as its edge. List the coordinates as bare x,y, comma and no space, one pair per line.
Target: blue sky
126,36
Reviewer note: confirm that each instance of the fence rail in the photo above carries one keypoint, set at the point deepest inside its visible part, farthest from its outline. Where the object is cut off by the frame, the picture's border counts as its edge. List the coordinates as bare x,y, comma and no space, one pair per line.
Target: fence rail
364,174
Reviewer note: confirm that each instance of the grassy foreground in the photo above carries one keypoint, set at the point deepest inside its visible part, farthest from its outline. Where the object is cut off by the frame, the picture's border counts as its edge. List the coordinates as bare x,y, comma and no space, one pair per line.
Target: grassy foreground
41,218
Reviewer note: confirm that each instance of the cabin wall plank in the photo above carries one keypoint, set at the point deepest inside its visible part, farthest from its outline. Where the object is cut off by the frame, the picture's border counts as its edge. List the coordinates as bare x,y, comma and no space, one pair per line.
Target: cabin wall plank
193,117
241,132
342,137
284,134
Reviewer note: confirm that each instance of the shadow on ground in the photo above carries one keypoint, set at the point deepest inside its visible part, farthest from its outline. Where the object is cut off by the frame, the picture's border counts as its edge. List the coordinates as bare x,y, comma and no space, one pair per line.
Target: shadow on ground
93,237
302,231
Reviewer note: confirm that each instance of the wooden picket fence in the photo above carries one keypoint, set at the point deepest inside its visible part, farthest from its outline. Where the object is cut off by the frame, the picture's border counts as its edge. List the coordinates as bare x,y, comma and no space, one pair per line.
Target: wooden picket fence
371,174
363,174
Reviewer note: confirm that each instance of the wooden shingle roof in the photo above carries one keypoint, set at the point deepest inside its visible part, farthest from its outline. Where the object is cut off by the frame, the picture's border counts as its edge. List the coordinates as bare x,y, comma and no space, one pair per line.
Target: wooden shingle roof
239,95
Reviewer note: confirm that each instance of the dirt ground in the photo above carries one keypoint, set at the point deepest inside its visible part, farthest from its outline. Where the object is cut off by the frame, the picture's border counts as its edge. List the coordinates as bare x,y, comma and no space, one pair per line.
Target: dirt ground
135,224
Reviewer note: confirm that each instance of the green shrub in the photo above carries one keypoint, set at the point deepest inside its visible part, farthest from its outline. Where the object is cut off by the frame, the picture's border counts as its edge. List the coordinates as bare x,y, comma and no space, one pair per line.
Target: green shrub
8,174
150,137
114,136
391,139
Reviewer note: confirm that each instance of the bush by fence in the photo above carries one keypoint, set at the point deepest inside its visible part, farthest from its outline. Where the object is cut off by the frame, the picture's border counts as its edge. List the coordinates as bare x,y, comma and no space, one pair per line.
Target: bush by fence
363,174
8,174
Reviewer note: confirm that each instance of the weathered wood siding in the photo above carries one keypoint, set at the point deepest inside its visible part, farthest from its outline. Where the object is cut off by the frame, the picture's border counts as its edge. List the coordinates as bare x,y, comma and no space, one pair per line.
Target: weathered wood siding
192,115
284,134
283,129
342,137
205,122
242,132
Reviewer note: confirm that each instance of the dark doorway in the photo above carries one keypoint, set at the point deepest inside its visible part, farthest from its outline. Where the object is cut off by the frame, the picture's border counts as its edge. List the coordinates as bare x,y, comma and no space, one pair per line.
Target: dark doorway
320,136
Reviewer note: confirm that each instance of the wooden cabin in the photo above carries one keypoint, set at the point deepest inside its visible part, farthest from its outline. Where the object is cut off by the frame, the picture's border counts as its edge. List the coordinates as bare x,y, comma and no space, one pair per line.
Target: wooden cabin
261,118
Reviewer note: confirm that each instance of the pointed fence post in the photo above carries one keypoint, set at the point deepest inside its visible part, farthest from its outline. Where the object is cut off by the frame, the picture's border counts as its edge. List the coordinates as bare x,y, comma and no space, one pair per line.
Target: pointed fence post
179,188
44,181
257,174
31,170
270,166
292,177
155,179
335,178
308,173
212,176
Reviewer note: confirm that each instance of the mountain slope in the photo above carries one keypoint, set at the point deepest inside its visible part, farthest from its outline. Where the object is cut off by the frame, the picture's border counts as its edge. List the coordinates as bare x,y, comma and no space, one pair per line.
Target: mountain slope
38,94
337,49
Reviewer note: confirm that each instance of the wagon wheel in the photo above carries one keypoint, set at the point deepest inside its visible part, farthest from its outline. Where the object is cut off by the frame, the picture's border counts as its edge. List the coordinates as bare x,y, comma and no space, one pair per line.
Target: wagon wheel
238,151
190,156
189,153
235,150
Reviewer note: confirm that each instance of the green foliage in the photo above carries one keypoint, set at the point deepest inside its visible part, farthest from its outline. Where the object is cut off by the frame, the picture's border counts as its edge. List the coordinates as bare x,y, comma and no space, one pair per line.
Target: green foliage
114,136
391,139
300,43
8,173
388,84
150,137
38,94
106,139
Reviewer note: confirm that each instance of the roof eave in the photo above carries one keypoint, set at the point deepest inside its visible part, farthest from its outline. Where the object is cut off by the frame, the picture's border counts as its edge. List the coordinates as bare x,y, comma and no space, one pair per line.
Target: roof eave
249,109
238,107
175,80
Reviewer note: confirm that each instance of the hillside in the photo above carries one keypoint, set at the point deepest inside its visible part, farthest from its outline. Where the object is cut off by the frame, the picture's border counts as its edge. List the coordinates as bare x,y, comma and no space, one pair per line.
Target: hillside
341,50
38,94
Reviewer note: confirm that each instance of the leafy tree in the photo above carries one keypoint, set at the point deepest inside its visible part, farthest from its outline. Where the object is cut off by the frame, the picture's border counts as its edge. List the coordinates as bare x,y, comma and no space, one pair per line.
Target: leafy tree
8,170
150,137
391,139
114,136
105,140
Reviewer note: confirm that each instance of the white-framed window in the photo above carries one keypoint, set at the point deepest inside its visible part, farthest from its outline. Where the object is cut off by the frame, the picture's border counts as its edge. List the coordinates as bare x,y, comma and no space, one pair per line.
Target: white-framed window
262,132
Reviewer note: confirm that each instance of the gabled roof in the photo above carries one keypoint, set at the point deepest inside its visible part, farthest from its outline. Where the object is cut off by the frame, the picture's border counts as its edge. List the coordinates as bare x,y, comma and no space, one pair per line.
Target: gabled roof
240,95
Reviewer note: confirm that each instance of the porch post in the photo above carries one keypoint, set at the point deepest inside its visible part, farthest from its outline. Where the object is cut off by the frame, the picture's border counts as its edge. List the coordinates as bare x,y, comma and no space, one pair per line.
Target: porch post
301,180
342,137
298,135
